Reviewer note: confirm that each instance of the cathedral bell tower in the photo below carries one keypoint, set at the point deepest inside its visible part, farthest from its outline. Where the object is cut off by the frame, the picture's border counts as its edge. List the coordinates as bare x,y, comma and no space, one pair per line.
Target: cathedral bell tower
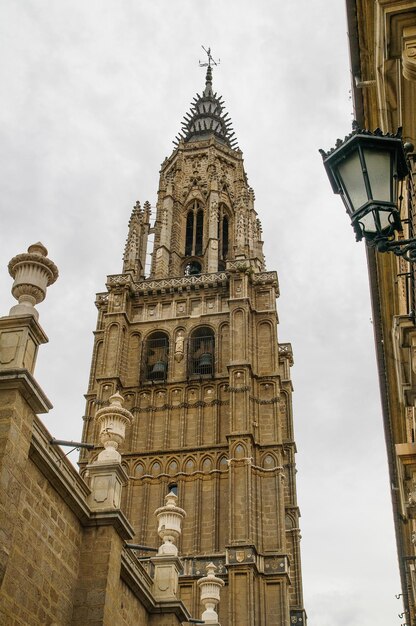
193,350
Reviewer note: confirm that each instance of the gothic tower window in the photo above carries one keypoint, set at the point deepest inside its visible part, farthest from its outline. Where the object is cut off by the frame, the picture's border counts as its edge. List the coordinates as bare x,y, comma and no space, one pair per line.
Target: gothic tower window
194,235
223,236
201,352
156,357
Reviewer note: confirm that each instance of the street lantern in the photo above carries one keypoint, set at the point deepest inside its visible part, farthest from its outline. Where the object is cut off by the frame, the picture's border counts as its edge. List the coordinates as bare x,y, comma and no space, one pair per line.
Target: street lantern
365,169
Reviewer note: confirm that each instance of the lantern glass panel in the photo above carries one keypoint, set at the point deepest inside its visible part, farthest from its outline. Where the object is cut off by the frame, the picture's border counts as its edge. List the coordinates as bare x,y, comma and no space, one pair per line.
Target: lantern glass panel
351,174
367,223
386,219
379,171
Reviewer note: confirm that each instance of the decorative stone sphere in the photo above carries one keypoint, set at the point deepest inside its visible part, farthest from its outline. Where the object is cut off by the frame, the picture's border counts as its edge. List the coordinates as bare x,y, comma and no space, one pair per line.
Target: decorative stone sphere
112,420
33,272
169,519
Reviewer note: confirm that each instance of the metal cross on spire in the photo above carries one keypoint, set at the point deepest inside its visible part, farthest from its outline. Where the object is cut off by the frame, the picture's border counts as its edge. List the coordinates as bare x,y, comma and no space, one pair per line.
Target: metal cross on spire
210,59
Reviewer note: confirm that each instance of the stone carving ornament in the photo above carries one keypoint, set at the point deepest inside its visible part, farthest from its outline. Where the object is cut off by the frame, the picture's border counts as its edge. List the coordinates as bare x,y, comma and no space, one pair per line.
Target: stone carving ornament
33,272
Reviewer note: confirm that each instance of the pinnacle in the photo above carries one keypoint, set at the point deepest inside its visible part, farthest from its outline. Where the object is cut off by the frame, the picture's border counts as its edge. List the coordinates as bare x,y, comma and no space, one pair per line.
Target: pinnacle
207,118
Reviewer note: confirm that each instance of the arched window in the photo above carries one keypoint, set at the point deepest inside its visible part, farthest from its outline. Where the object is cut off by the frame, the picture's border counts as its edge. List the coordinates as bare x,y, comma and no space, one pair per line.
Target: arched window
223,235
194,234
189,237
193,268
199,232
201,352
173,487
156,355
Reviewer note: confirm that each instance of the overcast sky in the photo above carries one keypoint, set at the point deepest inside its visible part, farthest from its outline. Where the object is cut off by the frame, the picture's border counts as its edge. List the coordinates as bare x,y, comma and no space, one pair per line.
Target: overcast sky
93,93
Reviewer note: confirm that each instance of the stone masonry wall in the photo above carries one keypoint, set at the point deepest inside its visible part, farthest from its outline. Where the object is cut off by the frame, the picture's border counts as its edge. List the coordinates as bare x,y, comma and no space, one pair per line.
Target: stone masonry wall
60,565
39,584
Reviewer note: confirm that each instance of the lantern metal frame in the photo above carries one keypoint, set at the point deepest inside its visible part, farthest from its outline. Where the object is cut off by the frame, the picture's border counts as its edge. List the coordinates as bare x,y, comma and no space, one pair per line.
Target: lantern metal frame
383,214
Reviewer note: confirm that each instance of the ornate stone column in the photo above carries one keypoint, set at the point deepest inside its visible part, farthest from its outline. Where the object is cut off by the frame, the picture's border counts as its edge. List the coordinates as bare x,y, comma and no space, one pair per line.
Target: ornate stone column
167,564
107,475
20,332
210,587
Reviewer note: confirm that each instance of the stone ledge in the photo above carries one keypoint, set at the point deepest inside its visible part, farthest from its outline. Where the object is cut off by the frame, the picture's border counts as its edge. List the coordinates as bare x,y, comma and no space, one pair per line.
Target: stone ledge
22,380
141,584
64,478
111,517
59,471
137,579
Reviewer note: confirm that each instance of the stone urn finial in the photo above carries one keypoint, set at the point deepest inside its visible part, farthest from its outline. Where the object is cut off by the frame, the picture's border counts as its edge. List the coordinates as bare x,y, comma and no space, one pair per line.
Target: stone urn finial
33,272
169,519
113,420
210,587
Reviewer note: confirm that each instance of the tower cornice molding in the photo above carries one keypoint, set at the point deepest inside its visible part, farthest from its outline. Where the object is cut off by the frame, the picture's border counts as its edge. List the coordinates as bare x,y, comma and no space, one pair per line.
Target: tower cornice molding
201,146
249,266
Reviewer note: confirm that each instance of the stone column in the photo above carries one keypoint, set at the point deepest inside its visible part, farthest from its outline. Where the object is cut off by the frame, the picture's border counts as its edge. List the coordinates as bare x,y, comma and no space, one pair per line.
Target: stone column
163,252
210,587
212,248
167,564
106,475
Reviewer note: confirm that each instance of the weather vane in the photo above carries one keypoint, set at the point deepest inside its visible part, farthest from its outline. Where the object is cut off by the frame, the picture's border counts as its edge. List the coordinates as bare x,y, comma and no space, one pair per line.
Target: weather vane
210,59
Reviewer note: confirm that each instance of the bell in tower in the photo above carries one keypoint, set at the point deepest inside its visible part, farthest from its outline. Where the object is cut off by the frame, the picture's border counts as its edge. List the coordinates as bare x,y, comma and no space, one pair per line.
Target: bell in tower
193,350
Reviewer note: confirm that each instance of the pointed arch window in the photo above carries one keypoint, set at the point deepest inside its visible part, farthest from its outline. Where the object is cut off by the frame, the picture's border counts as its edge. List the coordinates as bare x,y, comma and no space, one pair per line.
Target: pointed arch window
223,234
201,352
156,354
194,233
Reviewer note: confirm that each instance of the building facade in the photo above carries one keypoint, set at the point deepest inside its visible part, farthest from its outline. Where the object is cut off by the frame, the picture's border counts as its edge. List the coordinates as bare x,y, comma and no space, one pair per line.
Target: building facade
188,433
193,350
382,39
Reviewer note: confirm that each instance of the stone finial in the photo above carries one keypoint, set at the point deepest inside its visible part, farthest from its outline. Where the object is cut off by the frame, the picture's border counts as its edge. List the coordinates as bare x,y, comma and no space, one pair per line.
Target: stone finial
33,272
210,587
169,519
113,420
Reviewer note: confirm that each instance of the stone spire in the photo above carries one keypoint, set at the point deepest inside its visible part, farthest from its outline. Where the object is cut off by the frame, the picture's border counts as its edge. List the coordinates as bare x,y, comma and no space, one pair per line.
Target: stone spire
134,258
207,117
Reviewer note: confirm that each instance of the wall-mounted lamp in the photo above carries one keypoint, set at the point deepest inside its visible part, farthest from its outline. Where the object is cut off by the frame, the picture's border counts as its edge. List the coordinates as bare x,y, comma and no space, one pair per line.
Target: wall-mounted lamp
365,170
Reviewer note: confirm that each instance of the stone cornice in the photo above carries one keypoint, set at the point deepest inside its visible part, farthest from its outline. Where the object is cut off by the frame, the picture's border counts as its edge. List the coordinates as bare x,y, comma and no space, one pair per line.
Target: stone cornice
111,517
200,147
23,381
12,322
184,283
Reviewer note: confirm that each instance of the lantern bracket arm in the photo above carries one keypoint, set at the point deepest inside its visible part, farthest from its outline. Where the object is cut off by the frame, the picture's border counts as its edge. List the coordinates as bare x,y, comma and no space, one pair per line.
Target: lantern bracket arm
405,248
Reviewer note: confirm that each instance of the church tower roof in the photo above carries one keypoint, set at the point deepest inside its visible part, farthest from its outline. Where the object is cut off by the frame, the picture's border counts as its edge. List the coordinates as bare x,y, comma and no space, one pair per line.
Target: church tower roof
207,117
